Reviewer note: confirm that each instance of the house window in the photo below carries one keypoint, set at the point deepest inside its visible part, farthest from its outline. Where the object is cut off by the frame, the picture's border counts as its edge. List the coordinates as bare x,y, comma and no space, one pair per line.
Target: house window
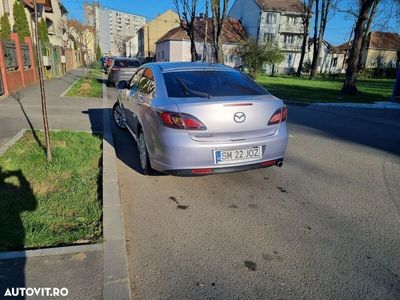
162,54
271,18
289,39
334,62
291,20
269,37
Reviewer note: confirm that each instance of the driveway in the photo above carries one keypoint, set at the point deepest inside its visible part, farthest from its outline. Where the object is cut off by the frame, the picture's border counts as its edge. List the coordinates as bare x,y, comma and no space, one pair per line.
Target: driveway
325,225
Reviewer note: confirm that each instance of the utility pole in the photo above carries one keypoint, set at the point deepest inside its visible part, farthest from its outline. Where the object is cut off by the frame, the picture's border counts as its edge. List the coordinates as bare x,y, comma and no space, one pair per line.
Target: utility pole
205,34
41,83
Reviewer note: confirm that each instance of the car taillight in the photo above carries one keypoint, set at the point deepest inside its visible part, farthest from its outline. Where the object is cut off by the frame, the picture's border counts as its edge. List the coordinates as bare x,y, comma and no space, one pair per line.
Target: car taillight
181,121
280,115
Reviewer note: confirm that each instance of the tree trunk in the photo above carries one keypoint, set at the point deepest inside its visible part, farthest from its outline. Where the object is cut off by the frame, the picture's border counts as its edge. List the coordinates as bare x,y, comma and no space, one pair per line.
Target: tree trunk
303,48
315,48
360,66
193,51
324,17
349,86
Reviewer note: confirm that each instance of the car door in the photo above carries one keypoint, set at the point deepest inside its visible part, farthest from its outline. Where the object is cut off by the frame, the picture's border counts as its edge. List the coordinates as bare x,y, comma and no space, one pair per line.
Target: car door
130,102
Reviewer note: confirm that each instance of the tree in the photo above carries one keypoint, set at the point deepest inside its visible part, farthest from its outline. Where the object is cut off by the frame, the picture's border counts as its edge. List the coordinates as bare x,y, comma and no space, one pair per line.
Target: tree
43,32
20,21
306,14
219,10
98,52
326,7
349,86
186,10
255,55
5,28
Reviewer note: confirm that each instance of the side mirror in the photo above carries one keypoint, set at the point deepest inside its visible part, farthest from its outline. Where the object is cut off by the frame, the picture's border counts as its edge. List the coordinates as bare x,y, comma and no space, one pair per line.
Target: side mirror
122,84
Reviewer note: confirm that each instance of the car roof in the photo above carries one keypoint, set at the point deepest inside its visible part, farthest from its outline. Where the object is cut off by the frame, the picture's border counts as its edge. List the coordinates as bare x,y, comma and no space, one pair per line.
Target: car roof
182,66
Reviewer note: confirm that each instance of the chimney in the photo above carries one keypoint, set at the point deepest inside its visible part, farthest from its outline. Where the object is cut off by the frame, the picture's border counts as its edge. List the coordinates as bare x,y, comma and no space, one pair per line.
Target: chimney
202,15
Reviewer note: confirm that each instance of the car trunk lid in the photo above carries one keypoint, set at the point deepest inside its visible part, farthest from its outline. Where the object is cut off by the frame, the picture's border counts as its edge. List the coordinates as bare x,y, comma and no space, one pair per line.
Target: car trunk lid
236,119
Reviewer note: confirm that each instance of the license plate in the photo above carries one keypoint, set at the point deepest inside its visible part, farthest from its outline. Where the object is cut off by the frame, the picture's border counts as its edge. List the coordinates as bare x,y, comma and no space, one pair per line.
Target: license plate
233,156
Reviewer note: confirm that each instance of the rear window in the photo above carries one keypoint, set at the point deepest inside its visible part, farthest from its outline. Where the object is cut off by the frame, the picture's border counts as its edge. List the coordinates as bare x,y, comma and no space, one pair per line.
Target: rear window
185,84
126,63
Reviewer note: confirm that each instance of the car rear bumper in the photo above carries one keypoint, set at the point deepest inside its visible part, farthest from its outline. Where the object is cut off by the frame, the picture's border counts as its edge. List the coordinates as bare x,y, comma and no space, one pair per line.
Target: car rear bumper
182,155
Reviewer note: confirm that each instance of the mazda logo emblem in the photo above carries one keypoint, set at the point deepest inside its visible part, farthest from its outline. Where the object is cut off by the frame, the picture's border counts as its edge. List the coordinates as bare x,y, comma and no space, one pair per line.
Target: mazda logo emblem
239,117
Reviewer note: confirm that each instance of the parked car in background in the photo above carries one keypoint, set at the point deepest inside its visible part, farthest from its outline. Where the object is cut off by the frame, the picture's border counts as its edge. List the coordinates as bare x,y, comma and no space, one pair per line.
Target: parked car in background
122,68
198,119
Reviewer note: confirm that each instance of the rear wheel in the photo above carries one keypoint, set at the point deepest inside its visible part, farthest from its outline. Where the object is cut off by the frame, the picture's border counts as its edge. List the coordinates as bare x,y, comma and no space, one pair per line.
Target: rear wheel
143,154
118,116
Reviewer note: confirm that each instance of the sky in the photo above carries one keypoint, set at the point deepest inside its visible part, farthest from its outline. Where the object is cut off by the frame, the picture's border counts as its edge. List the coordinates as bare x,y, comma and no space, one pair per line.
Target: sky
337,32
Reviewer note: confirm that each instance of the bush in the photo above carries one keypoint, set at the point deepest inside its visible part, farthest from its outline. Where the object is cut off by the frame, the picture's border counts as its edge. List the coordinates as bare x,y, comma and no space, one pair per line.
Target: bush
20,21
5,27
378,73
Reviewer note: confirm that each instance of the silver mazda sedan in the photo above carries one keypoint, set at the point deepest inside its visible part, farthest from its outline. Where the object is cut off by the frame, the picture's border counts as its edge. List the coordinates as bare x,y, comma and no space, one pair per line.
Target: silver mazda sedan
198,119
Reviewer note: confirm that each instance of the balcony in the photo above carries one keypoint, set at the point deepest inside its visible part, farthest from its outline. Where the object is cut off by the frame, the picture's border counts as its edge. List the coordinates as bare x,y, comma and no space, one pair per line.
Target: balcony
291,28
290,47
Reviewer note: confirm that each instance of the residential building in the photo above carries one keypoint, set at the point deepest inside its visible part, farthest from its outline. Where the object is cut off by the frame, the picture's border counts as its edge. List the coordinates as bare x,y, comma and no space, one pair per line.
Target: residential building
113,27
331,59
150,33
175,44
81,38
275,21
132,46
381,50
53,11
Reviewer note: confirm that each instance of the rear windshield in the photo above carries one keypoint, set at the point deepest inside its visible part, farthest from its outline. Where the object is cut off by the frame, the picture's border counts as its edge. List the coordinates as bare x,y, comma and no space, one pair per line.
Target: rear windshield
202,83
126,63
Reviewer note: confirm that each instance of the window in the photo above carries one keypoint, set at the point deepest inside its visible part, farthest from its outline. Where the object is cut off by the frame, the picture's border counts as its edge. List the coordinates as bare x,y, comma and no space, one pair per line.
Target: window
289,39
184,84
269,37
271,18
334,62
146,83
135,80
291,20
162,54
126,63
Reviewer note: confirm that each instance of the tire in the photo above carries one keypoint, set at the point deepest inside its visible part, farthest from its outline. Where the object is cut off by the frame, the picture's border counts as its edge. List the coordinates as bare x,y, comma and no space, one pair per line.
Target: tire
143,154
118,116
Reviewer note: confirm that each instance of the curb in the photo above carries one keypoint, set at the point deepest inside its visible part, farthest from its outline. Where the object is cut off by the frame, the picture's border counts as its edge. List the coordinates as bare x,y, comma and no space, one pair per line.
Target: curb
68,89
51,251
116,278
12,141
297,103
393,106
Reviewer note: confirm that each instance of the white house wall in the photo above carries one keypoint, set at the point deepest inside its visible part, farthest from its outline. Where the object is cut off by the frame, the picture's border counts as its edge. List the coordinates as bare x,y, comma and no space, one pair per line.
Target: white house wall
248,13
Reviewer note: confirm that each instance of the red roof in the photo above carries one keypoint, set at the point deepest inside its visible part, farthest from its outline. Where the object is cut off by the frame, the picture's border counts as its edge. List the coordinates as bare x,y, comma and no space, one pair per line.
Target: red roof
384,40
233,31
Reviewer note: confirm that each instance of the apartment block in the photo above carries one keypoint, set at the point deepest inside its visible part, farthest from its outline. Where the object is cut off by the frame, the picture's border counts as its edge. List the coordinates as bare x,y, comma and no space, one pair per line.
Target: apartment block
112,27
275,21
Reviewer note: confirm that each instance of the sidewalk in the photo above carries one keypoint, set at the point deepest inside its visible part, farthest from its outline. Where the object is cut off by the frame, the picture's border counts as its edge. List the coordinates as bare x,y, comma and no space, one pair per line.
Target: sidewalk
81,272
23,109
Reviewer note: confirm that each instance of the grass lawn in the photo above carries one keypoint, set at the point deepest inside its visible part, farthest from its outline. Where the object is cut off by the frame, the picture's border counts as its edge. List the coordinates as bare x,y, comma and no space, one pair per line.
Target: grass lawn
88,86
326,90
50,204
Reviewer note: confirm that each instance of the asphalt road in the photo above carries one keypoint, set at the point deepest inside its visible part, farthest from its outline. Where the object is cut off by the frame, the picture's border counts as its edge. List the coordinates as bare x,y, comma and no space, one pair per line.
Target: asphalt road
325,225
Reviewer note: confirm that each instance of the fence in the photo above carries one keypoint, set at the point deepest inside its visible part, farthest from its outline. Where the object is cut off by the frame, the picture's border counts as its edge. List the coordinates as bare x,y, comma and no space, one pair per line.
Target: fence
17,64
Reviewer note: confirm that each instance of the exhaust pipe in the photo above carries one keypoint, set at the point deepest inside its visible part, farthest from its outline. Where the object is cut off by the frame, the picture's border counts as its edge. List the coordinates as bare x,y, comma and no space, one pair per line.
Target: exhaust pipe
279,163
